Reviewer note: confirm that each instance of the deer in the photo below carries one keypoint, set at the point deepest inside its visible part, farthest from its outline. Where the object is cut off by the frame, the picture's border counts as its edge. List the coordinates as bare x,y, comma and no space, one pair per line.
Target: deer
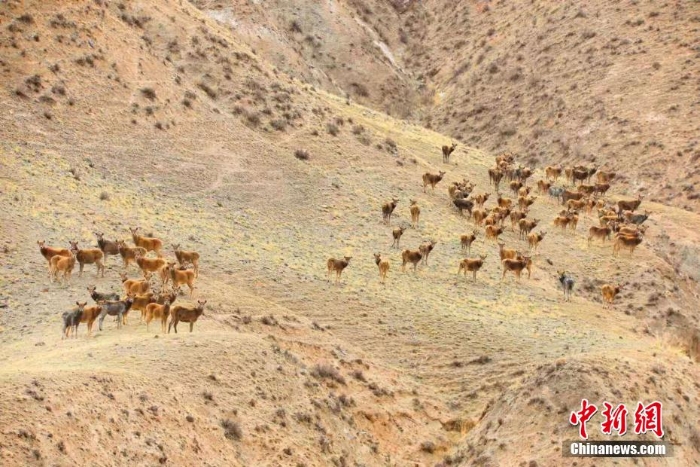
504,202
567,284
135,286
158,311
479,215
637,219
492,232
139,304
481,199
98,297
586,189
337,266
49,252
605,177
186,315
432,179
71,320
88,256
466,241
62,264
495,177
629,205
623,241
115,308
425,249
567,195
524,191
601,188
543,187
388,209
147,243
108,247
463,204
152,265
515,217
397,233
552,172
90,315
534,239
507,253
128,253
180,276
410,256
573,220
526,226
415,212
471,264
383,266
609,293
602,233
516,266
515,186
447,152
556,192
506,157
525,202
185,257
562,221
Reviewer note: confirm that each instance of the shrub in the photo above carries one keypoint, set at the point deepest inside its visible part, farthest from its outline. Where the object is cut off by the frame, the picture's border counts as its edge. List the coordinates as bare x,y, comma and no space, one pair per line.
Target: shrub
279,124
207,89
26,19
253,118
360,89
301,154
104,196
148,93
327,372
332,129
294,26
427,446
232,430
391,144
187,103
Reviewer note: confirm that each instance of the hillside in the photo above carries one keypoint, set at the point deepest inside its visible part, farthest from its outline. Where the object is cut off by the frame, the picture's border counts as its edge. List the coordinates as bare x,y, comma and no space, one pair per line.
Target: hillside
156,114
609,84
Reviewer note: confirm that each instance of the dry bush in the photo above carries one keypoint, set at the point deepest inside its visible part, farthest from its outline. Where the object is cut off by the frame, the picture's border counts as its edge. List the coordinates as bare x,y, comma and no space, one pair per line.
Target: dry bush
148,93
294,26
427,446
279,124
207,89
332,129
104,196
302,154
232,430
327,372
252,118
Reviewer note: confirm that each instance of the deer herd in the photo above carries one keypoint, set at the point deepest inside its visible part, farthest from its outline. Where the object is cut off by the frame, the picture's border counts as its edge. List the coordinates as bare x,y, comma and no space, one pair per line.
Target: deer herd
138,292
618,222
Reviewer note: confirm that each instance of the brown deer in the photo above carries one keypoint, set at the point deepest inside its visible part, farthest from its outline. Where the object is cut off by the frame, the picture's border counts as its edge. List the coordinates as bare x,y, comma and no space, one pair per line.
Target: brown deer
62,264
504,202
525,202
623,241
49,252
586,189
601,188
492,232
88,256
383,266
415,212
180,276
432,179
152,265
108,247
337,266
567,195
128,253
397,233
481,199
534,239
148,243
388,209
187,257
135,286
479,215
543,187
526,226
507,253
516,266
609,293
472,265
605,177
573,220
515,186
467,240
562,221
629,205
186,315
552,172
602,233
495,177
140,303
425,249
158,311
515,217
411,256
447,152
90,315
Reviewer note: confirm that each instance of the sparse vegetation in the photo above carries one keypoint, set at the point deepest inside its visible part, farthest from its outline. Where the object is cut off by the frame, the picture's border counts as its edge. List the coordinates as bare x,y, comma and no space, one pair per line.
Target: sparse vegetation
232,430
302,154
322,371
